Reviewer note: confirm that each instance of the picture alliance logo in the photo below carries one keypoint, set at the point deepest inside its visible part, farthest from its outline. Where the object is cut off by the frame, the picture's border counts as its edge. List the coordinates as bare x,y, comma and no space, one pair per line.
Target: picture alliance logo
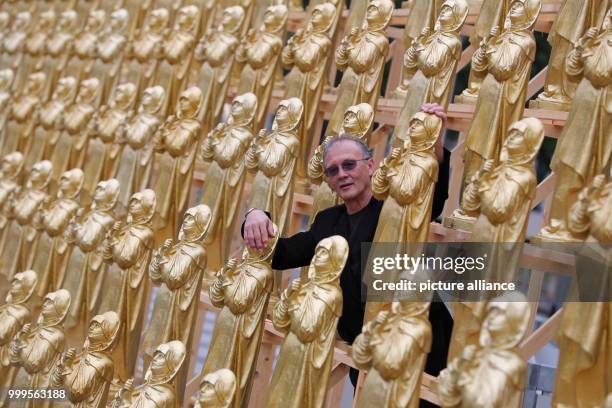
410,264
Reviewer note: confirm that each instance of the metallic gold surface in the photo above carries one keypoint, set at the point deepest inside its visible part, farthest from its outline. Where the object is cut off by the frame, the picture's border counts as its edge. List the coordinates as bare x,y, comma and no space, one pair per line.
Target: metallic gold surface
217,390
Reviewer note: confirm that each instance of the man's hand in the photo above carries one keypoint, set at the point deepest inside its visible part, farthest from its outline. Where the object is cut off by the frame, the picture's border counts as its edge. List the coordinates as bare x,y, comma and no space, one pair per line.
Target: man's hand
258,229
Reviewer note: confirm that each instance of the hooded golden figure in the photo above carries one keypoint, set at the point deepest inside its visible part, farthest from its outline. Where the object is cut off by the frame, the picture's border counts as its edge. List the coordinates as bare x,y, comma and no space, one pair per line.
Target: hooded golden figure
225,149
261,52
361,55
308,312
394,348
85,44
7,76
505,61
10,180
52,219
242,291
33,51
585,146
430,64
307,55
490,374
176,141
274,157
86,376
157,389
178,268
217,53
38,349
217,390
14,40
58,49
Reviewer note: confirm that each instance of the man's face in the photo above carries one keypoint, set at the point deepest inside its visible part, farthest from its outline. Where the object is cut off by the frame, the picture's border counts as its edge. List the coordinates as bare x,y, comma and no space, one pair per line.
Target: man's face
352,183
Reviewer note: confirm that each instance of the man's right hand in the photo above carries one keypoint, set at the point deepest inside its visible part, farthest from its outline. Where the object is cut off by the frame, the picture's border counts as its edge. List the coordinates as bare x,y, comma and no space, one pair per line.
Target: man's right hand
258,229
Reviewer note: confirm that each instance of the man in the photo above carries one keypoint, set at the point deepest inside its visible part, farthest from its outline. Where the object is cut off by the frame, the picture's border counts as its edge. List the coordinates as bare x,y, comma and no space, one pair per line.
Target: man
349,166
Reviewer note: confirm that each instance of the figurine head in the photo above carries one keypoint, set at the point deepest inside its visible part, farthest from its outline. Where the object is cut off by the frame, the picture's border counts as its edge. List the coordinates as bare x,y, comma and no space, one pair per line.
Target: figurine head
65,89
410,308
88,90
523,14
22,21
124,96
424,131
607,23
378,14
452,15
55,306
329,259
275,18
35,83
40,176
119,20
167,361
195,223
288,115
323,17
22,287
244,108
67,21
106,194
186,18
12,164
232,19
47,20
158,20
70,183
217,389
141,207
189,103
523,141
506,321
358,120
152,99
95,20
102,332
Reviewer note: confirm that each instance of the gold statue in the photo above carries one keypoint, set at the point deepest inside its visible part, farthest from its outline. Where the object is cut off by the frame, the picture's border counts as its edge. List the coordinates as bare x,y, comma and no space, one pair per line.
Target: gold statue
430,64
506,60
34,48
85,44
571,23
261,53
217,390
86,268
217,52
70,149
52,219
7,77
38,349
225,149
104,152
157,390
394,348
490,374
14,314
136,137
86,376
308,311
585,146
307,55
10,180
14,41
274,157
361,55
129,248
59,48
22,237
492,14
178,267
176,141
242,291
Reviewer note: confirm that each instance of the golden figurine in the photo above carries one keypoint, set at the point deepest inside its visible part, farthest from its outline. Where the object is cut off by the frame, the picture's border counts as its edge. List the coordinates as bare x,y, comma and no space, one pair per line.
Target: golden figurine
217,390
5,31
571,23
103,151
217,52
394,348
129,248
242,291
585,146
308,312
178,267
86,376
70,149
490,374
7,77
176,141
247,5
136,135
506,60
274,157
85,44
157,390
35,44
86,269
14,41
492,14
14,314
59,48
261,53
430,64
52,219
361,55
38,349
10,180
225,149
307,55
22,237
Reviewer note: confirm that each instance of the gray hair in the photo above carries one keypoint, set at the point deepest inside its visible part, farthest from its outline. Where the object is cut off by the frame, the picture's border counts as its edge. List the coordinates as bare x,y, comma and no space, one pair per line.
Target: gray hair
367,152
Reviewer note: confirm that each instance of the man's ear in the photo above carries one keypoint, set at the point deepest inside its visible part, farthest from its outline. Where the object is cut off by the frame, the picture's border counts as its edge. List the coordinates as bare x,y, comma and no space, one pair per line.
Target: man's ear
371,166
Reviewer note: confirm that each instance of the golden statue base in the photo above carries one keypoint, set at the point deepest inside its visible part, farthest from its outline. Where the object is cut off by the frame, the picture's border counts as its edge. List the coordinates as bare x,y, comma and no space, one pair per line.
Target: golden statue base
543,102
555,232
466,98
459,221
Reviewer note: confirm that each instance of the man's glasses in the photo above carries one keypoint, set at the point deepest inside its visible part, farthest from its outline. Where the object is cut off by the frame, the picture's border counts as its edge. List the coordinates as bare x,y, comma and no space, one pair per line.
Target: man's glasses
347,165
